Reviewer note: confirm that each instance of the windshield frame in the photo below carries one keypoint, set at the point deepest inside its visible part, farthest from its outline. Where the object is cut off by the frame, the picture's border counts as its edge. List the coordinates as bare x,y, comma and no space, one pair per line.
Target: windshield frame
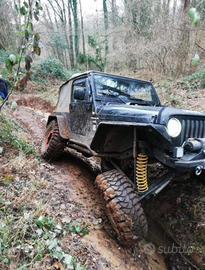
122,98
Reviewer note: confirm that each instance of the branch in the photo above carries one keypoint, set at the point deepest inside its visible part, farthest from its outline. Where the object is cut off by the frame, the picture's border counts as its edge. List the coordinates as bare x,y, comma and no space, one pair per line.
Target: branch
185,29
4,101
17,72
16,77
199,46
2,47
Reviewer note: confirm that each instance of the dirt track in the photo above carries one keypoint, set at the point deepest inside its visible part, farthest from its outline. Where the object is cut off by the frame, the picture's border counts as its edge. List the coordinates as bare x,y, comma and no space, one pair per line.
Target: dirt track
73,196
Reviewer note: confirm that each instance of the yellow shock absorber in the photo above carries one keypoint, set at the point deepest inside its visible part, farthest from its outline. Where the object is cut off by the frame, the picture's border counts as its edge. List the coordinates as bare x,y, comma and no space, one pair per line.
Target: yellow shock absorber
141,173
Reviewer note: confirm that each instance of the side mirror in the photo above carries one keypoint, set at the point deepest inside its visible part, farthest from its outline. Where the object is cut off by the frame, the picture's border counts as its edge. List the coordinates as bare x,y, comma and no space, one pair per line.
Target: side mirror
79,94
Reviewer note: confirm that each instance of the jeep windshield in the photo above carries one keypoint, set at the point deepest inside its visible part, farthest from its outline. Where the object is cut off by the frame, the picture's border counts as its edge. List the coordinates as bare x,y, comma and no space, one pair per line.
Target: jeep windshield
124,90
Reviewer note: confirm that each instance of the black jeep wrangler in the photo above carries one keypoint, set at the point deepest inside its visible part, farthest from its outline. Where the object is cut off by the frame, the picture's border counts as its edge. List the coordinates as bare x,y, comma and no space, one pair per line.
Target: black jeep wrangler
121,120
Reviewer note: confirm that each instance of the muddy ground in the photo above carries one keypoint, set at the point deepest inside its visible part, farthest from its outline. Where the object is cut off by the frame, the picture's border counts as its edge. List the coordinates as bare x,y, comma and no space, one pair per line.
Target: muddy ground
73,196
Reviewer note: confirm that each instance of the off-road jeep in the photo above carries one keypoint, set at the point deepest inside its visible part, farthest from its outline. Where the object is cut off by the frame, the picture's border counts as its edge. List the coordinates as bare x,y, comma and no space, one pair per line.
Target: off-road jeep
121,120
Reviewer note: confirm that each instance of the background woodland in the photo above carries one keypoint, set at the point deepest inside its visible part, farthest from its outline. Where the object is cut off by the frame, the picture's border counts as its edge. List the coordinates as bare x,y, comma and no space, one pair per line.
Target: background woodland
121,36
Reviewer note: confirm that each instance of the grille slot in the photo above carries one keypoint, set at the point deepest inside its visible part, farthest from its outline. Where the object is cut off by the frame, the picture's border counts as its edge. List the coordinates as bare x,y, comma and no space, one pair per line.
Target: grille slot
192,129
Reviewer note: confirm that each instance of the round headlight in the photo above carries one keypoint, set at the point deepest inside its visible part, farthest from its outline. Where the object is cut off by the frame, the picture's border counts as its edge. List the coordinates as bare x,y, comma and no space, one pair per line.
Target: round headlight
174,127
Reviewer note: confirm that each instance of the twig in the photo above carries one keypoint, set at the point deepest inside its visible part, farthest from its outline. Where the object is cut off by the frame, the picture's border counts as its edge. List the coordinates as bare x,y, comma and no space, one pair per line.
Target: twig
199,46
4,101
187,29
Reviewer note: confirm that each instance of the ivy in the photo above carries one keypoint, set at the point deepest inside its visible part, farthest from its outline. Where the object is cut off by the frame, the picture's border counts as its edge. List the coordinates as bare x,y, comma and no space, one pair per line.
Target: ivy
195,19
194,16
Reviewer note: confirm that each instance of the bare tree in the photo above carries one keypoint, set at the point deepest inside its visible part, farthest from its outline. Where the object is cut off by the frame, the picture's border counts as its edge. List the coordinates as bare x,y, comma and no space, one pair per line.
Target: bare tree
154,35
105,10
61,34
7,33
184,38
82,27
74,8
71,47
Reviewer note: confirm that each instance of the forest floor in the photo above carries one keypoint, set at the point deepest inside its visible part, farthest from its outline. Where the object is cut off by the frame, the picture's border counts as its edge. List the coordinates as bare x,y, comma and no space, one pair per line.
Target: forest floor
61,197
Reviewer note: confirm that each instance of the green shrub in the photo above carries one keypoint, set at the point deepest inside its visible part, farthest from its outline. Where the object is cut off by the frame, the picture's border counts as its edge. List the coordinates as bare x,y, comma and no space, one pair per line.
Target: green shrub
202,80
94,63
53,68
39,80
197,75
196,80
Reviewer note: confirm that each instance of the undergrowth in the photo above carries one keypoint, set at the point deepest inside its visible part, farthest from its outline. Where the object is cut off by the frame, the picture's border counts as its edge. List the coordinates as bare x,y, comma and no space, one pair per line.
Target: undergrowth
30,237
197,75
9,136
53,68
196,80
30,234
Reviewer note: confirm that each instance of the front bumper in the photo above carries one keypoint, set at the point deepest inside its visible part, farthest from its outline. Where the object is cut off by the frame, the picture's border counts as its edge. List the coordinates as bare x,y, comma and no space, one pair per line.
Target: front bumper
183,164
186,158
193,164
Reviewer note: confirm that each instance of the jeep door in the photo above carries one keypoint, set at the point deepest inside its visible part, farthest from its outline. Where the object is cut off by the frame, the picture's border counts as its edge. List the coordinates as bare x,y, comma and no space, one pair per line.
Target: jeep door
80,111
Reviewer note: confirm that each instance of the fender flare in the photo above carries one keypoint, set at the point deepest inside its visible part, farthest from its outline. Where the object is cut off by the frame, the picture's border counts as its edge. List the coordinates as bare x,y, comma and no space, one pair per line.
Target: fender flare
62,125
104,127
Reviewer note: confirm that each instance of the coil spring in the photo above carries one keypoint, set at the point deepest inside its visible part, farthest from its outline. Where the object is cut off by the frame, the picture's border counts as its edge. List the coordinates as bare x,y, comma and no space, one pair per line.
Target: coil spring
141,173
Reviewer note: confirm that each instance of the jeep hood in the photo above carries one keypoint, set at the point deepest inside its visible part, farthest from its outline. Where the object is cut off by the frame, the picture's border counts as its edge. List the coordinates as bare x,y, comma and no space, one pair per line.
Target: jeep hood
143,114
128,113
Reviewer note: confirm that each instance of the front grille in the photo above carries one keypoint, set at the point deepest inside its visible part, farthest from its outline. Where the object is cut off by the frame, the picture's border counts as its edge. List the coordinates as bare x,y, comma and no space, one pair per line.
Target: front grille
191,128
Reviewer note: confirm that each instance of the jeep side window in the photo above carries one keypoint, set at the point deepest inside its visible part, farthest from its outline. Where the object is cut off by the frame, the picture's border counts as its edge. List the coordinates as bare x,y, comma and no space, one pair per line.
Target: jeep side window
78,86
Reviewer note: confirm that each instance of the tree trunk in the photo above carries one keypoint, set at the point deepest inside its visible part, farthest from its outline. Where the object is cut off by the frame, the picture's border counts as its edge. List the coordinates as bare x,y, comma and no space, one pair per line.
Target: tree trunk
64,27
74,7
114,9
75,17
184,41
51,28
106,25
71,48
114,23
82,27
58,50
186,5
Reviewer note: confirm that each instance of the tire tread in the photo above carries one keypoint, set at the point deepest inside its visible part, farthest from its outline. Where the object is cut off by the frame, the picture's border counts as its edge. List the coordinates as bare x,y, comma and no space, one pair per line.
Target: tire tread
56,145
122,206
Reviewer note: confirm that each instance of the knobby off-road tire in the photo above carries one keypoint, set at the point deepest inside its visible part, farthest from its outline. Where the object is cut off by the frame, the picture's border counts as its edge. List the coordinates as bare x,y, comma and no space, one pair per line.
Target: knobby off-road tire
53,144
122,207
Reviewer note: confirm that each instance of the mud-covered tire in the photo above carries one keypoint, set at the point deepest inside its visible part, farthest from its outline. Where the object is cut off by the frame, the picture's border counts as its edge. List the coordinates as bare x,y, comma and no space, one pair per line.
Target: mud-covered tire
53,144
122,207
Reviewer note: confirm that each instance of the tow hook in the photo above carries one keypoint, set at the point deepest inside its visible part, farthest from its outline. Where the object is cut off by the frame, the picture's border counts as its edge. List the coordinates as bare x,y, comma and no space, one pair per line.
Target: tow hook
198,170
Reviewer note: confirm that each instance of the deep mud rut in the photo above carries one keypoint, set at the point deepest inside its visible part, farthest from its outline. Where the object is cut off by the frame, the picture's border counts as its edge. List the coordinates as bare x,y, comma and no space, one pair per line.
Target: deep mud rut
73,196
